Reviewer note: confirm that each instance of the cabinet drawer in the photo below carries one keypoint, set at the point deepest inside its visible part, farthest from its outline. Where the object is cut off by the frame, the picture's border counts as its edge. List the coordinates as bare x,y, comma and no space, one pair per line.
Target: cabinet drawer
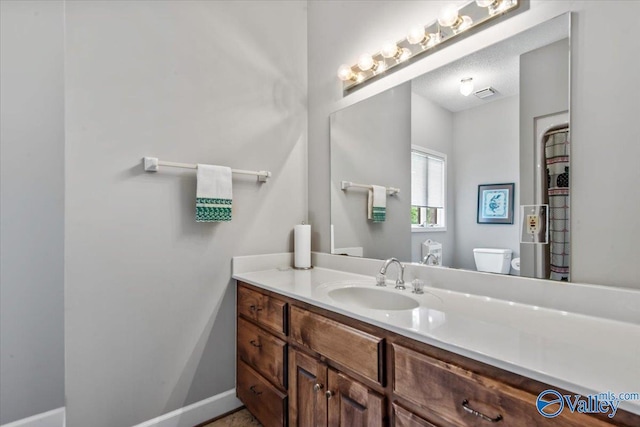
404,418
445,389
265,310
263,400
352,348
264,352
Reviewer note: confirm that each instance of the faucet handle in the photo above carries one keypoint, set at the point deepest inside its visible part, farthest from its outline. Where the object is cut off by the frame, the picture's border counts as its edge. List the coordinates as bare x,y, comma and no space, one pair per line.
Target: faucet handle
417,286
381,280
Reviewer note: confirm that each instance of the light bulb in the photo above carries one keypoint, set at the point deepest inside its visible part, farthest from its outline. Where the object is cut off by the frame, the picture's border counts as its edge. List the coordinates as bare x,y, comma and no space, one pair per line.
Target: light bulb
365,62
466,86
416,35
345,73
389,49
448,16
485,3
465,24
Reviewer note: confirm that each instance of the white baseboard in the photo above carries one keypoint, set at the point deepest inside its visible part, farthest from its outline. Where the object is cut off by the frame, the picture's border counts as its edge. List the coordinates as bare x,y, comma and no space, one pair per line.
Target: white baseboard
196,413
53,418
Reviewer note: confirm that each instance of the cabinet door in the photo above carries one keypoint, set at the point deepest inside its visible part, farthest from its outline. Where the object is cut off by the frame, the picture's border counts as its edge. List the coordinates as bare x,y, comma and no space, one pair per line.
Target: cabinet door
351,404
307,387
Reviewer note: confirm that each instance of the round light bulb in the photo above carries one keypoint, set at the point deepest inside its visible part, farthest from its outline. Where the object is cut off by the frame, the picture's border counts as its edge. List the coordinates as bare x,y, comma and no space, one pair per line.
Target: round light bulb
485,3
415,35
365,62
389,49
466,23
448,16
466,86
345,72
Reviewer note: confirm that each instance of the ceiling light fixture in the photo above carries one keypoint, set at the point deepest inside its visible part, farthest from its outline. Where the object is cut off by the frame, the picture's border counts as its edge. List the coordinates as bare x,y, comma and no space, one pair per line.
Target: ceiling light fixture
466,86
419,40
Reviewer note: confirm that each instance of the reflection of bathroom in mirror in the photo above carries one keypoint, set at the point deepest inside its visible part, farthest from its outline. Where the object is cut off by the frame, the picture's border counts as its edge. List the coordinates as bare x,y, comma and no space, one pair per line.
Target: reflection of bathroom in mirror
438,145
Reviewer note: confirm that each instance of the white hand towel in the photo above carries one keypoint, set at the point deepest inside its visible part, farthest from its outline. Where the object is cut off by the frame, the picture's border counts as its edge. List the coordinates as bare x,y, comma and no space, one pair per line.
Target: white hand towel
213,194
377,203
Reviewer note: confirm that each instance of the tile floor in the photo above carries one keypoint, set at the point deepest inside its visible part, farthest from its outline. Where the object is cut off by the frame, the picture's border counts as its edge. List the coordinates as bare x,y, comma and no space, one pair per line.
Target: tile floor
240,418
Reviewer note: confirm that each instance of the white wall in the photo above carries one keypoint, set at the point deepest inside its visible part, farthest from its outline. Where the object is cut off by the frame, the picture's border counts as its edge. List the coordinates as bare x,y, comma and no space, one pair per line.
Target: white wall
486,151
150,304
371,144
604,108
31,208
432,128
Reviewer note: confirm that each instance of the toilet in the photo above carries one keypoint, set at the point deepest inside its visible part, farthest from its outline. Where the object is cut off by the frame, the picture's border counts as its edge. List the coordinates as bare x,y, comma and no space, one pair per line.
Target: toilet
493,260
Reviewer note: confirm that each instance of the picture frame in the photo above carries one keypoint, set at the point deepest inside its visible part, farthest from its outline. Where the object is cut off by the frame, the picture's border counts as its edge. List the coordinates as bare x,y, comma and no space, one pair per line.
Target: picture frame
495,203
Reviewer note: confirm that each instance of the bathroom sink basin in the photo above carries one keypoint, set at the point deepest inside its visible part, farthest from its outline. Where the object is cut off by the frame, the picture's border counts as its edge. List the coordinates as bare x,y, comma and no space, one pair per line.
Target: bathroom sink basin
372,298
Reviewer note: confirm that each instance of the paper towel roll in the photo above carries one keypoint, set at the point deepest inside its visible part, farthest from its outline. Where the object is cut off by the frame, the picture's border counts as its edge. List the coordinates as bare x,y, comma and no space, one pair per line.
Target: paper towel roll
515,264
302,246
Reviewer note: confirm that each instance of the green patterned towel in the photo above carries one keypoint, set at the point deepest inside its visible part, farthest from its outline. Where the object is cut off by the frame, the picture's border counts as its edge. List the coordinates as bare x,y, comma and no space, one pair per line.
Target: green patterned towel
213,194
379,214
213,210
377,203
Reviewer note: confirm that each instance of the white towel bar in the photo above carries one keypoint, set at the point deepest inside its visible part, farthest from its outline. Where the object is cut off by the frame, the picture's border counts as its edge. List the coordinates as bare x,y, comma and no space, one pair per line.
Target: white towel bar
346,184
152,164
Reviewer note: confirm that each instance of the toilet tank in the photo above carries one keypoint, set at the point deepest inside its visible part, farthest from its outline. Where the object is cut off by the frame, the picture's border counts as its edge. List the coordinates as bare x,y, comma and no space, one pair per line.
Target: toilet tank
493,260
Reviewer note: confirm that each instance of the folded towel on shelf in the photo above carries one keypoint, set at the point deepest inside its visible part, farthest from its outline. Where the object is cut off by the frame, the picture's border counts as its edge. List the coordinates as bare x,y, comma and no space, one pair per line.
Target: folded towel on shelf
377,203
213,194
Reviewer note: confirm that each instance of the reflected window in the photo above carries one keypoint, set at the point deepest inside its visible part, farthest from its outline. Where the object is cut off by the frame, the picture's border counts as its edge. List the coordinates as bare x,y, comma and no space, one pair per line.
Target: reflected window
428,189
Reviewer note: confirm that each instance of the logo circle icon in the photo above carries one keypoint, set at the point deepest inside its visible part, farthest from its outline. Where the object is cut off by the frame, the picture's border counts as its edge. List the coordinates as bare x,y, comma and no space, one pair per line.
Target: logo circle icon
546,399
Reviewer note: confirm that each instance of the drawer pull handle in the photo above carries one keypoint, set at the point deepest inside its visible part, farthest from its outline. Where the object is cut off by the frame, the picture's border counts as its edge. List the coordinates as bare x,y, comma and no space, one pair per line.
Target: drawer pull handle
255,344
317,388
255,308
256,392
328,394
465,406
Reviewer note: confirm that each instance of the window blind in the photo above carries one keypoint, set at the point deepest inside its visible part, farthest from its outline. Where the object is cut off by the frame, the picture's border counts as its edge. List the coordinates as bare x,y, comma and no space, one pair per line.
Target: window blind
427,180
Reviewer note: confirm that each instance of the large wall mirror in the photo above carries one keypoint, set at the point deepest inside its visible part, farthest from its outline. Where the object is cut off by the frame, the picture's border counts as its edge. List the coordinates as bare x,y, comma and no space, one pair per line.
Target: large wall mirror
461,154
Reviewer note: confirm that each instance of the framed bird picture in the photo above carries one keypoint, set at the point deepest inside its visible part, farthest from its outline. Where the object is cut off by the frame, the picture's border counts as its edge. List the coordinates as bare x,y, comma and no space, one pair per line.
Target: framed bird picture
495,203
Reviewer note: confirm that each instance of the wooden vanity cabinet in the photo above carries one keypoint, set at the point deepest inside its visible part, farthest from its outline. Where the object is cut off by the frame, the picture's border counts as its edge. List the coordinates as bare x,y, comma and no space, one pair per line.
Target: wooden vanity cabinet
301,365
322,396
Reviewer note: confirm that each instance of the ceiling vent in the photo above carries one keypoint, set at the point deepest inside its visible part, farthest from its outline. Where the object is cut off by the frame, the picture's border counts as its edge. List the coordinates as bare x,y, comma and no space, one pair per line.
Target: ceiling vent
485,93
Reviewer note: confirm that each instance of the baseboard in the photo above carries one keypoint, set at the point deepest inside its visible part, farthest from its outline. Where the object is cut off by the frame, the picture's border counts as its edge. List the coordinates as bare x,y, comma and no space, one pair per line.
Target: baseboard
53,418
196,413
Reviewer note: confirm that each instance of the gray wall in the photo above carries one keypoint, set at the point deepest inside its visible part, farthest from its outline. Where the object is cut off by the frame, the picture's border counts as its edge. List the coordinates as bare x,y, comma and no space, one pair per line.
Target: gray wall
432,127
31,208
371,144
544,88
149,299
602,113
485,152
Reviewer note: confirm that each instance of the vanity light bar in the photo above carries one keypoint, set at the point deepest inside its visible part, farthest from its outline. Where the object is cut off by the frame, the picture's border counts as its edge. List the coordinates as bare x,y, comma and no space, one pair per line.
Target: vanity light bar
451,22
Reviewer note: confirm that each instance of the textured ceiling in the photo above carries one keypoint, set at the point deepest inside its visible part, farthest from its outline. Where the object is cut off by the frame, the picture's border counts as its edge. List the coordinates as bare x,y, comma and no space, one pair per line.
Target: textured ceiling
496,66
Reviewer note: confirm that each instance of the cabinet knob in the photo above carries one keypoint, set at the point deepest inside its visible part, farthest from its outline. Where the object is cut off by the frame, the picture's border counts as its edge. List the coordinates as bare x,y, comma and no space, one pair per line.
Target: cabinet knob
317,387
255,343
255,308
329,394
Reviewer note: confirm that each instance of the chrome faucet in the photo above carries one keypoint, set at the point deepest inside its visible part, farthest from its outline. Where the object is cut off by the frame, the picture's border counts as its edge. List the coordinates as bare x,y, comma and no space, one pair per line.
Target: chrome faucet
427,257
400,280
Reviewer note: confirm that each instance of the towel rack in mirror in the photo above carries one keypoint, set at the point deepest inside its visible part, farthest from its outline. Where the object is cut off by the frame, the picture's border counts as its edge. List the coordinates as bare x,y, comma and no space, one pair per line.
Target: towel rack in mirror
347,184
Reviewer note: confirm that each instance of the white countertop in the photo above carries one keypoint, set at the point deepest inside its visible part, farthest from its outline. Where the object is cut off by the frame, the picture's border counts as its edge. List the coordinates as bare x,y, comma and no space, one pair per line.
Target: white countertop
583,354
